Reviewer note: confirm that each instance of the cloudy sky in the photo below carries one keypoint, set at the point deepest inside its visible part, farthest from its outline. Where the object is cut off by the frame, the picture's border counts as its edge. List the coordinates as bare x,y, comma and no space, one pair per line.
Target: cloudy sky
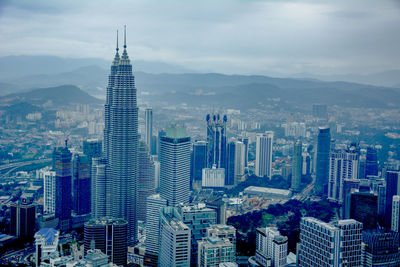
248,37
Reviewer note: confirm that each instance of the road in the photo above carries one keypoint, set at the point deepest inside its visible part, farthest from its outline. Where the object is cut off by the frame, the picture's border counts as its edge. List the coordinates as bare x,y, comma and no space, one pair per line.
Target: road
303,195
13,166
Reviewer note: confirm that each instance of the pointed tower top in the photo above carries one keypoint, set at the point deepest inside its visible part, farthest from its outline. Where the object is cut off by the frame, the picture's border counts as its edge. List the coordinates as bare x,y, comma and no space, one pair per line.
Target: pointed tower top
117,41
124,36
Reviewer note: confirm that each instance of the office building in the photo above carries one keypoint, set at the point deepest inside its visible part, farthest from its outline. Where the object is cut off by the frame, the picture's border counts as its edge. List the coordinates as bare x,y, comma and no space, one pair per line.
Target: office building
322,161
110,236
392,189
380,248
342,165
146,186
174,239
99,194
364,208
395,213
199,160
216,140
329,244
230,166
271,246
154,204
223,231
307,164
81,185
22,218
49,192
121,142
213,178
371,162
175,166
264,147
46,243
198,218
297,166
214,250
245,141
240,150
63,187
93,148
148,136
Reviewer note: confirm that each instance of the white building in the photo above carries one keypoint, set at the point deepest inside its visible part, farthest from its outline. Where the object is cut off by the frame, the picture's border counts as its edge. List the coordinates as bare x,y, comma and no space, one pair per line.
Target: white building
223,231
174,239
342,165
395,213
271,246
46,243
149,127
49,180
213,250
295,129
214,177
329,244
240,157
154,204
264,145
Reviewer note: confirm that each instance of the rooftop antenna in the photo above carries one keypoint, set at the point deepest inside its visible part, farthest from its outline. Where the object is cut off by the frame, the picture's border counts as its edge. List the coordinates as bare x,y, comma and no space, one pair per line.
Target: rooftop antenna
124,36
117,41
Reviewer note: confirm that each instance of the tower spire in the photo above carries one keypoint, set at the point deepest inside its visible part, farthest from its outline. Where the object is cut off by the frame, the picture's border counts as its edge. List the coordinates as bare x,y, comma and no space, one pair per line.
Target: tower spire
117,41
124,36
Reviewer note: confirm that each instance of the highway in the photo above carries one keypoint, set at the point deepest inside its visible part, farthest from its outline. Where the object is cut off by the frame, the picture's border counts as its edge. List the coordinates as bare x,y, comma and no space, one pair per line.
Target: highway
14,166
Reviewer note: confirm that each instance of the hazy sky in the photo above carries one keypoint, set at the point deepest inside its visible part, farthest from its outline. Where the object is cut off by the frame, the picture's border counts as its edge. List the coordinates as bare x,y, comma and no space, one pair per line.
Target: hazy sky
260,37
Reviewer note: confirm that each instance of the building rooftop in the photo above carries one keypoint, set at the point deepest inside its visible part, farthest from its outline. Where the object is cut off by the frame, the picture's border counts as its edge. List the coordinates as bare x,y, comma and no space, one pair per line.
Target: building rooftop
267,190
48,234
106,221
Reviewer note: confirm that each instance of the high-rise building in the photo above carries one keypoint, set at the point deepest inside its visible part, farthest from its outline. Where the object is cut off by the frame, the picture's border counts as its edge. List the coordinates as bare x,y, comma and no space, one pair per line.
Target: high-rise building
396,213
110,236
297,166
121,142
342,165
213,178
63,187
322,168
240,150
371,162
329,244
380,248
93,148
364,208
174,239
22,218
214,250
154,204
245,141
270,244
392,189
46,243
199,160
264,147
160,135
223,231
49,192
216,140
230,166
148,114
175,166
146,186
81,185
99,188
198,218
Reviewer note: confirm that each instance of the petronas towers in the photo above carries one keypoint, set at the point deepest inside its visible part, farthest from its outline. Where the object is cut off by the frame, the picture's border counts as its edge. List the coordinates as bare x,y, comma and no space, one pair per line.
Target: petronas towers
121,141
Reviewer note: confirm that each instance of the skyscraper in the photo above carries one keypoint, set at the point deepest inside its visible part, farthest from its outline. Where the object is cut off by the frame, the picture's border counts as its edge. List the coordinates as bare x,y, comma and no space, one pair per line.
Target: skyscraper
343,165
216,140
214,250
81,185
392,189
297,166
146,186
49,192
110,236
322,168
230,166
22,218
199,160
175,166
396,213
92,148
121,142
148,114
371,162
99,188
264,154
329,244
174,239
270,244
380,248
63,187
240,150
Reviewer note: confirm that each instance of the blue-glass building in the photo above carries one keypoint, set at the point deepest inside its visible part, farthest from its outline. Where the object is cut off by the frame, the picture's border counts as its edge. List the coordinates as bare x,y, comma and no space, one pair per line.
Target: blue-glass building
81,185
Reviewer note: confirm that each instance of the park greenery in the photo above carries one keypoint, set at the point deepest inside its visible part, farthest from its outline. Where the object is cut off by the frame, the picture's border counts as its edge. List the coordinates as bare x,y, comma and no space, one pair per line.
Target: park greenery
286,217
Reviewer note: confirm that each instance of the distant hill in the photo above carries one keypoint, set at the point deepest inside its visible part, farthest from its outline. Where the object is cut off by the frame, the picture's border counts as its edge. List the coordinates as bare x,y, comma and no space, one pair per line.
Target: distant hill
57,96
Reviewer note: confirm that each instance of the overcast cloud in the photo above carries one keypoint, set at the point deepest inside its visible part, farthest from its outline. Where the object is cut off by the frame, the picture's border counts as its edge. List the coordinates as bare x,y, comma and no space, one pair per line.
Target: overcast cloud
249,37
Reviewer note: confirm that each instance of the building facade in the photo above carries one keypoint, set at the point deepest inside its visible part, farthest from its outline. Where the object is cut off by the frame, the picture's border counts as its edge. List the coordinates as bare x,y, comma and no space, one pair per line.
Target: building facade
148,117
264,147
297,166
49,192
81,184
322,160
99,193
216,140
213,251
